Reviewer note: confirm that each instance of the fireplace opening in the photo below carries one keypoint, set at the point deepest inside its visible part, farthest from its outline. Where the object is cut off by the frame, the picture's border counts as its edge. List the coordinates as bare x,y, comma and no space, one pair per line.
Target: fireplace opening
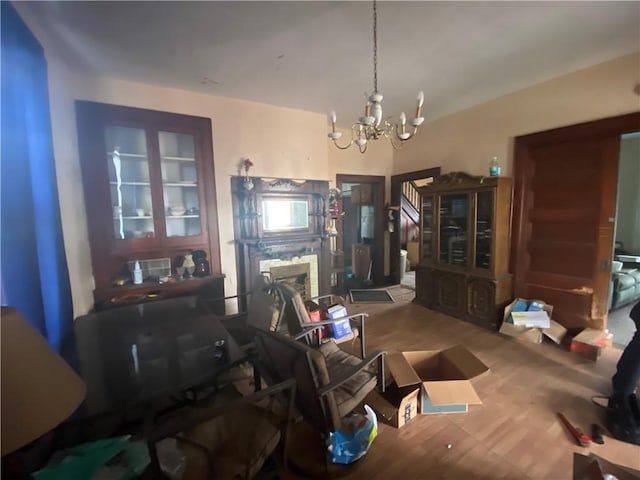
301,272
296,275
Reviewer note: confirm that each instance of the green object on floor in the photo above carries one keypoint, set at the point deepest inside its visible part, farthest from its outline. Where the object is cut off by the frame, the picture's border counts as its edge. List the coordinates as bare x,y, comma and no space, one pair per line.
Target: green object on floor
85,460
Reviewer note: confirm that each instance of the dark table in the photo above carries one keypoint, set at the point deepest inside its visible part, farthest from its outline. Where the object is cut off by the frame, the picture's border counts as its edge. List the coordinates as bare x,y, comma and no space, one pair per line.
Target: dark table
139,357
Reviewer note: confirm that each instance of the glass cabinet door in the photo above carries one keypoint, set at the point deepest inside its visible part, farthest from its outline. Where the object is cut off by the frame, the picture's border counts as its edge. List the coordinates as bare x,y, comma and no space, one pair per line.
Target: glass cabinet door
129,181
453,246
484,232
179,184
427,228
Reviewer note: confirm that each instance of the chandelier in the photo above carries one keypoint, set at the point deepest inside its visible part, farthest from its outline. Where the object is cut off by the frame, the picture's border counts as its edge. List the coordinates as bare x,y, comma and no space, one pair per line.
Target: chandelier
371,126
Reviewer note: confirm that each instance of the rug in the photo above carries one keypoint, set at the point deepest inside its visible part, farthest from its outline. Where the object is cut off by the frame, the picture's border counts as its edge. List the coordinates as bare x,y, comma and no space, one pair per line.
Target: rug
370,296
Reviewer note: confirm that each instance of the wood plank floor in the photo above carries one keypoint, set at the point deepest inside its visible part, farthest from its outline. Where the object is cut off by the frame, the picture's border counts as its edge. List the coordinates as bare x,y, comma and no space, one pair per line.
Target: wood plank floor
515,434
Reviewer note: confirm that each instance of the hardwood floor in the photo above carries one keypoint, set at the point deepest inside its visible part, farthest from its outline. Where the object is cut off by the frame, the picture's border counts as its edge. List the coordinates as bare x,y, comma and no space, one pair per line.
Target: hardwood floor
515,434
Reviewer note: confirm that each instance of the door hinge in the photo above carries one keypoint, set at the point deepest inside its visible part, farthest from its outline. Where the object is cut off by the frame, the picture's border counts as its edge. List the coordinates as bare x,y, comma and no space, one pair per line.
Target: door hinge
605,264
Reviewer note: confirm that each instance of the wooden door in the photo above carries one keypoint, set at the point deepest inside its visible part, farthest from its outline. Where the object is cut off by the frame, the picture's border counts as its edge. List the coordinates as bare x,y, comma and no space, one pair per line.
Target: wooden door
563,217
370,193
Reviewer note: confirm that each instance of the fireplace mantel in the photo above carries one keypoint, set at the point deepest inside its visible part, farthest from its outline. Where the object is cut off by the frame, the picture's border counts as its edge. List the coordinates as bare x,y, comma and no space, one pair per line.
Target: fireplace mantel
304,241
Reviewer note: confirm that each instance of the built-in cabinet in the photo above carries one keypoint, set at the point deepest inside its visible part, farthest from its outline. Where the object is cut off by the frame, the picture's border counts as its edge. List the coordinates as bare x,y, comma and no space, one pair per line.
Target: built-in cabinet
464,247
149,189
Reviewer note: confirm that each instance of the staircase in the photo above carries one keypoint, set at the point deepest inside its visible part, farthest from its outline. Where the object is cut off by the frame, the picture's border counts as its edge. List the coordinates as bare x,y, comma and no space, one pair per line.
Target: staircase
410,213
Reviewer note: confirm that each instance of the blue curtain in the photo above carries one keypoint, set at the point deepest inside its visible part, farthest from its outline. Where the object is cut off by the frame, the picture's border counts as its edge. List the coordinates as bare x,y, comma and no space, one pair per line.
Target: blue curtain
34,274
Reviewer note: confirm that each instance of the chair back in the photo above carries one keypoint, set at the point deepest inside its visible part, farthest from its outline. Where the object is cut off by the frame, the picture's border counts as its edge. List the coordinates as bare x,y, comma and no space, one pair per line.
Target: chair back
295,312
282,358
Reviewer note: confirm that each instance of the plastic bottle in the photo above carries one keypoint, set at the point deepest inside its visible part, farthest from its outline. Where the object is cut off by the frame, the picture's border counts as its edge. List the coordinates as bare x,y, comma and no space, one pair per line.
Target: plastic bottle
494,171
137,273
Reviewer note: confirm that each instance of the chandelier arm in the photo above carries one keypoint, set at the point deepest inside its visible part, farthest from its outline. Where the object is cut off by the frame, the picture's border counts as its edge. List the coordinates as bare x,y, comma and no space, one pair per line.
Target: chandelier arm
335,142
393,143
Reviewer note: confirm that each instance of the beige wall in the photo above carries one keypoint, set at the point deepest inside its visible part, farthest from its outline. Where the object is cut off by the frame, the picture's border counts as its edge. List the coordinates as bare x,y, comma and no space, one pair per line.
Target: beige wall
291,143
467,140
281,143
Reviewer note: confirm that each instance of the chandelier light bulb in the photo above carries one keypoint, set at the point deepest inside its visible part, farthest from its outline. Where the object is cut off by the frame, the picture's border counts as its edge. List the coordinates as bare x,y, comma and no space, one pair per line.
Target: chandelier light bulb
420,99
403,119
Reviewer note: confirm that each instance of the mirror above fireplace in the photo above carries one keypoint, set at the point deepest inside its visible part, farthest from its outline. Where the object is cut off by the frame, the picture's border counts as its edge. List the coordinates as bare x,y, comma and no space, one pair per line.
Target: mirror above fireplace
284,214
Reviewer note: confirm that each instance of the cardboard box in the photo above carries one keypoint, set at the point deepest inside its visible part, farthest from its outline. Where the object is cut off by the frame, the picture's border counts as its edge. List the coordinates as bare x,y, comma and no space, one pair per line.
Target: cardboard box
590,342
555,332
396,406
442,375
593,467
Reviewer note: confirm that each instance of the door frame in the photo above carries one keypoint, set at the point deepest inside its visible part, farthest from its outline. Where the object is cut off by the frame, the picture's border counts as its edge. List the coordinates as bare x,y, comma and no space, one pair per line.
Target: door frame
378,183
523,166
396,195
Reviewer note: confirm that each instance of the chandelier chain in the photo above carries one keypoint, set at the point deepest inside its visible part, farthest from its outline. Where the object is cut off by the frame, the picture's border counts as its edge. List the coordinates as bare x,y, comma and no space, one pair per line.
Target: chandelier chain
375,47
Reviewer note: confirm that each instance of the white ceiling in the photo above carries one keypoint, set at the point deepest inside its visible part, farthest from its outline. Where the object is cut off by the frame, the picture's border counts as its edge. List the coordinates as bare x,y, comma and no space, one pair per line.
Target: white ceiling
317,56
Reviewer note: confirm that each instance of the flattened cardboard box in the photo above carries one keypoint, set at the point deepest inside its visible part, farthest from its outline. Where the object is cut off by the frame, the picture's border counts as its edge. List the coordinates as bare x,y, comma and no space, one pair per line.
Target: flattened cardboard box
443,376
396,406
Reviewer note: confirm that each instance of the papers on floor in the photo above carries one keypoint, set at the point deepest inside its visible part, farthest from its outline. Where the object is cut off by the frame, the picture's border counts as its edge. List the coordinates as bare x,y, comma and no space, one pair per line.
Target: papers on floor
531,319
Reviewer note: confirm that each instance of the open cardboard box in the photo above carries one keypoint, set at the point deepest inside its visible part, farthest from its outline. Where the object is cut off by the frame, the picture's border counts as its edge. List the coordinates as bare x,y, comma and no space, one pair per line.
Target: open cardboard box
396,406
443,377
555,332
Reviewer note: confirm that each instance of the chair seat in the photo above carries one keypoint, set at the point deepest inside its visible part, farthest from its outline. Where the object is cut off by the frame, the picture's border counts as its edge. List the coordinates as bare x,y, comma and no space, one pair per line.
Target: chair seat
353,391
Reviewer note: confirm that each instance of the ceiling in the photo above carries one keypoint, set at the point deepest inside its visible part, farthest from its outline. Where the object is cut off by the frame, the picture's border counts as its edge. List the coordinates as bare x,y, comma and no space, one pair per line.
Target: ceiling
317,56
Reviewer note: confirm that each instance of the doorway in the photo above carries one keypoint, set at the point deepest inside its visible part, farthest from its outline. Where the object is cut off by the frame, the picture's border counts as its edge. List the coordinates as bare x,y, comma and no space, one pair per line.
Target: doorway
406,222
361,229
625,272
562,243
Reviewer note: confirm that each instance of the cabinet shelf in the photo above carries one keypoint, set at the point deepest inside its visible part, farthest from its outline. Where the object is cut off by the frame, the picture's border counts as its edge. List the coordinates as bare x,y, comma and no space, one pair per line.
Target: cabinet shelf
180,184
133,156
178,159
131,184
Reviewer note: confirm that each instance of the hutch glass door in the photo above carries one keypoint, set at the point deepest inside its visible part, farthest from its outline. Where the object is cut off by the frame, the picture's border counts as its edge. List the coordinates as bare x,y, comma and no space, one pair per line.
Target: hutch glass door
484,230
454,209
180,184
129,181
427,228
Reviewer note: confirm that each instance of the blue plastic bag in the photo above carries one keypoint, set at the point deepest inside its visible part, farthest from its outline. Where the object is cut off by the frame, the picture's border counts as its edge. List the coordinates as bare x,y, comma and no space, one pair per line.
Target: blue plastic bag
353,439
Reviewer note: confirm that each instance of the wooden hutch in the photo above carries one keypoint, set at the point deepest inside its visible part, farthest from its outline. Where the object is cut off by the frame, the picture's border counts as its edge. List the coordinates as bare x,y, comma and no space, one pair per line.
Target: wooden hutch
464,247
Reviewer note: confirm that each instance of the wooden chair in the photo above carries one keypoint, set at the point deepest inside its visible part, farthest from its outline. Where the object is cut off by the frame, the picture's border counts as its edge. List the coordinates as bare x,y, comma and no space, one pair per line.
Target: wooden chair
300,325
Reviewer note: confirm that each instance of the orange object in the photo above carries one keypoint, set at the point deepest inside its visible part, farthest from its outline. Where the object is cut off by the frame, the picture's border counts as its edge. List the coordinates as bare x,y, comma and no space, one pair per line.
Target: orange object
582,439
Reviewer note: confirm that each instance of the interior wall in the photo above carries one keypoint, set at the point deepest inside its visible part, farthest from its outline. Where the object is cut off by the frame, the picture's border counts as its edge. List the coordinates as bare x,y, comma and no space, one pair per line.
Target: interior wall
462,141
469,139
240,129
628,208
